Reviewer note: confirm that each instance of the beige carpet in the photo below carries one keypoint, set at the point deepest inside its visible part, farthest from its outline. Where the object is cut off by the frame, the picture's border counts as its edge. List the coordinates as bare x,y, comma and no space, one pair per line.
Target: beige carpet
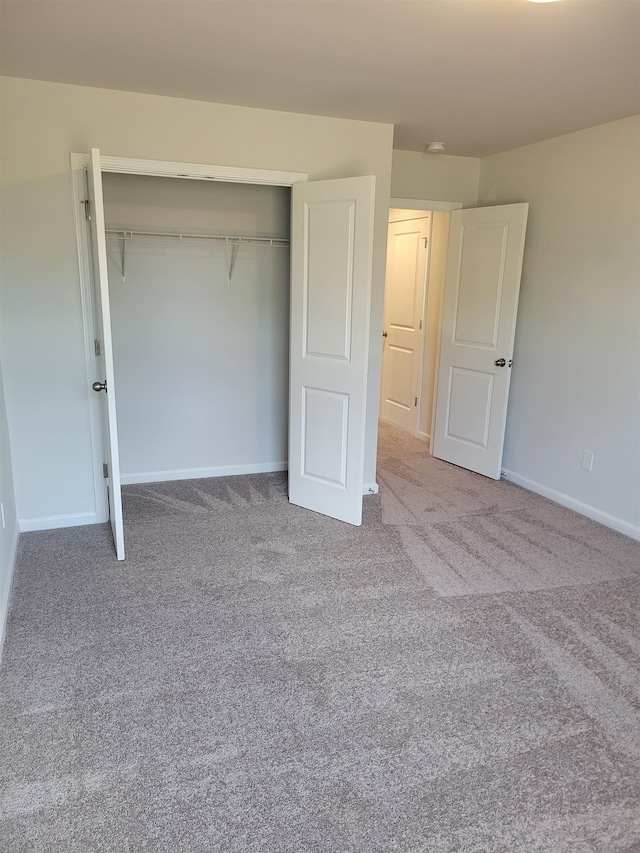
459,674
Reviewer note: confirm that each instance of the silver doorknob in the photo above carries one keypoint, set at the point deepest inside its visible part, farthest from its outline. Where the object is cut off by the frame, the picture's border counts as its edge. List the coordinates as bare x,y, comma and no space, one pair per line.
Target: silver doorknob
500,362
384,334
100,386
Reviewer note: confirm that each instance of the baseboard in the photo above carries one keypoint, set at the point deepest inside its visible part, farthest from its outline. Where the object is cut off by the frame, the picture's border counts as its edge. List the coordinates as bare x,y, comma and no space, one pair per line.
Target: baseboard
589,511
202,473
424,436
51,522
370,489
6,594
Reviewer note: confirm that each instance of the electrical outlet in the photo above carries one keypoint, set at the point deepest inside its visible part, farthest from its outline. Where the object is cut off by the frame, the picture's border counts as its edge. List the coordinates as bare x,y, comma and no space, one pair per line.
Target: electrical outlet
2,514
587,460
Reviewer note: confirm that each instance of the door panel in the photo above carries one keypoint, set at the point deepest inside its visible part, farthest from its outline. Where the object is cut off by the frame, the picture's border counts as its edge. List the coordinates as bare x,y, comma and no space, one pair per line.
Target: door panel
469,406
403,313
331,251
328,284
104,361
482,284
325,423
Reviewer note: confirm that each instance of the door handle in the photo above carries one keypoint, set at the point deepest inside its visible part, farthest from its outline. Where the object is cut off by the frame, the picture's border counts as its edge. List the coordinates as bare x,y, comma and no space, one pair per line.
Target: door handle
100,386
500,362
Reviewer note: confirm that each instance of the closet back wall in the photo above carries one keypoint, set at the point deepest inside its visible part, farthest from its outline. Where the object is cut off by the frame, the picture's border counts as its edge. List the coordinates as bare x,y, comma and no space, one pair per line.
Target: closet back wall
201,365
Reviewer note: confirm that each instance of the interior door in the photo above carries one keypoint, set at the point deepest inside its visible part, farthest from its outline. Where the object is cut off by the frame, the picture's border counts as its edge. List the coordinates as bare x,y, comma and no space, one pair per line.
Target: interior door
331,251
403,315
482,284
104,351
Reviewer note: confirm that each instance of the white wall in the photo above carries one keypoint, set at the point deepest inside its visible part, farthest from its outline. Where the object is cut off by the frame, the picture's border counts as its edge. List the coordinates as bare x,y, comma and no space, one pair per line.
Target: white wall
201,366
45,375
8,531
437,177
576,373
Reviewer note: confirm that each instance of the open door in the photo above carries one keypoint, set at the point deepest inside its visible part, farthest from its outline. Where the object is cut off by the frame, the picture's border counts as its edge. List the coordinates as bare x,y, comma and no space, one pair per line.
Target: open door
482,284
331,251
104,384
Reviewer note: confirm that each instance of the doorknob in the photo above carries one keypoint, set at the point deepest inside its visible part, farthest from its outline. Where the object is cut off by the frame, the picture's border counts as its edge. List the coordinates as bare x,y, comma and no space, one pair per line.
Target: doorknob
384,334
100,386
500,362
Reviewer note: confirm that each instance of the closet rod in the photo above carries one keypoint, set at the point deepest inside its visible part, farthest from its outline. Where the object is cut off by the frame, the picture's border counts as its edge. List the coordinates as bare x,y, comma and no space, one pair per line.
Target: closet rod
126,234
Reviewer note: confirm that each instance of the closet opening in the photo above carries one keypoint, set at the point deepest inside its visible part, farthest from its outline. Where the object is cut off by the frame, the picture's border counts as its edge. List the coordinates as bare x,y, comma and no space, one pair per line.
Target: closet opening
331,247
199,294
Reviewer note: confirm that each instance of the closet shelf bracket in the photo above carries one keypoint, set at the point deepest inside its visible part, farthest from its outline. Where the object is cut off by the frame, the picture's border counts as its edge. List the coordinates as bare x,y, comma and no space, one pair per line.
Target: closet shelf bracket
235,245
123,243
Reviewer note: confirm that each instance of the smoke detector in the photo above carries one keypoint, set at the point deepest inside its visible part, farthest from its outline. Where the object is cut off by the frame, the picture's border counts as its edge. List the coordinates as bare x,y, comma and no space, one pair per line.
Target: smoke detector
435,147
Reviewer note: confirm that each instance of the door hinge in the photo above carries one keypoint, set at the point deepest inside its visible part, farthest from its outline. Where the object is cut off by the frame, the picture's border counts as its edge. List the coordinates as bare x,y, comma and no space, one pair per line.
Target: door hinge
420,323
105,470
96,346
415,402
87,209
426,240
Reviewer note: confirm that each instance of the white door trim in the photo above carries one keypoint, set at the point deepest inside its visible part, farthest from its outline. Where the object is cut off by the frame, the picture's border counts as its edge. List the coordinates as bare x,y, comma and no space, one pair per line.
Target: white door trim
424,204
159,168
199,172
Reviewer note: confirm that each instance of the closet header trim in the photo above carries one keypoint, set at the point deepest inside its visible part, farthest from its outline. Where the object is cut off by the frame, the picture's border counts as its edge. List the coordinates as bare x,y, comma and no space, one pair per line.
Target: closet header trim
197,172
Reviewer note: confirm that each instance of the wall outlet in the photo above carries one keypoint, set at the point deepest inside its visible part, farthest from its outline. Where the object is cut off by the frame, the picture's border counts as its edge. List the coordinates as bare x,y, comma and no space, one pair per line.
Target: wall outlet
587,460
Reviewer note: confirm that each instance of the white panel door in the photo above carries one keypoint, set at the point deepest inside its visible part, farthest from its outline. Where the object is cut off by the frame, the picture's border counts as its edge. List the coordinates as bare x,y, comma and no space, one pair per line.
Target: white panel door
104,361
403,313
331,250
482,284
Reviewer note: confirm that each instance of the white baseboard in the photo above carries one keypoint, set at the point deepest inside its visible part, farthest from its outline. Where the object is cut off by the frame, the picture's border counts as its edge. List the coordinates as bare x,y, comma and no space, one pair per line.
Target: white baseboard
202,473
370,489
424,436
51,522
6,593
632,530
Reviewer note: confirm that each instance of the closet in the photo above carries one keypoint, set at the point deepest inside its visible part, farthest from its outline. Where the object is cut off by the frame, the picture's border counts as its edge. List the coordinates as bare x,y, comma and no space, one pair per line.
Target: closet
197,319
200,325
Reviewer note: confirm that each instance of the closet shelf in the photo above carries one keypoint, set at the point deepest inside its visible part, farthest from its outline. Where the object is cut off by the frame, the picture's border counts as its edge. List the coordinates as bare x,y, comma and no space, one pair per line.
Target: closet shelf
125,234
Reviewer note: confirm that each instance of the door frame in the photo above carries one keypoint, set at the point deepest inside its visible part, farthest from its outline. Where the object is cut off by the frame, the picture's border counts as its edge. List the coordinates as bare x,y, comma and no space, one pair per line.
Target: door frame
134,166
425,204
431,206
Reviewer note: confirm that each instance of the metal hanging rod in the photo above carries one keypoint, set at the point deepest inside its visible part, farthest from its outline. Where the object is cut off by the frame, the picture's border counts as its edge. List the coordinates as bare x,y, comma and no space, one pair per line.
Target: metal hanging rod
125,234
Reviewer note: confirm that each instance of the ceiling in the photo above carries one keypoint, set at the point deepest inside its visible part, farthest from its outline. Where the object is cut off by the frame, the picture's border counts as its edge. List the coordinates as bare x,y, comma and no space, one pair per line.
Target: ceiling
480,75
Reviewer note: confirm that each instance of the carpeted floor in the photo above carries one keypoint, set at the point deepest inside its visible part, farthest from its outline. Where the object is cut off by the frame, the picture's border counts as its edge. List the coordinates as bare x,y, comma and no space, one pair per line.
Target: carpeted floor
459,674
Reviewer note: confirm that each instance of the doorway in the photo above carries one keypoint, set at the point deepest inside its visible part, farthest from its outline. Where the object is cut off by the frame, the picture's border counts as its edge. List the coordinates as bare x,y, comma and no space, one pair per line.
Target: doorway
414,285
200,327
472,286
404,307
